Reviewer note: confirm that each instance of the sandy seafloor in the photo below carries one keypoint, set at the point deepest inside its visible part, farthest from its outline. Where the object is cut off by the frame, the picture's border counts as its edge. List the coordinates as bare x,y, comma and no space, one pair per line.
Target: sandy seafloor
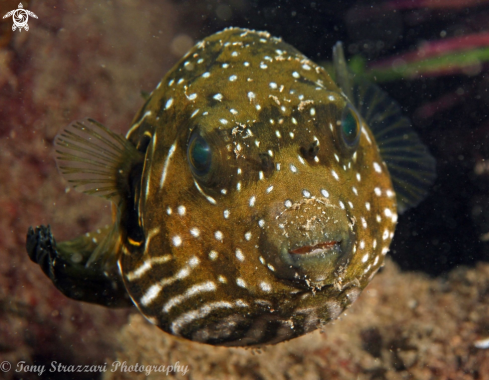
93,59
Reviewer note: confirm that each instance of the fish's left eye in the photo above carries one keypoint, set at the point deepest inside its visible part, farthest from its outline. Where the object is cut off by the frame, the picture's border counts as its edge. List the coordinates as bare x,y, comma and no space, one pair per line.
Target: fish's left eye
199,155
349,126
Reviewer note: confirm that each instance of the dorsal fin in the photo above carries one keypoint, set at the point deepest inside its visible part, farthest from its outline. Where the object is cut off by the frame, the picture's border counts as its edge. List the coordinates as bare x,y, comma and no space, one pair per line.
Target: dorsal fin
95,160
411,166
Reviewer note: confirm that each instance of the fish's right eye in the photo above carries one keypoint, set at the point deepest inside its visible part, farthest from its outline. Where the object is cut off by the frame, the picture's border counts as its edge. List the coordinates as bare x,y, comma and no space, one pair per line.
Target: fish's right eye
199,155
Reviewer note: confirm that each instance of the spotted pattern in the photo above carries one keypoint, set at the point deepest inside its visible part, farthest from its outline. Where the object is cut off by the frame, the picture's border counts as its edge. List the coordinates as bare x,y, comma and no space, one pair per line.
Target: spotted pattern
284,228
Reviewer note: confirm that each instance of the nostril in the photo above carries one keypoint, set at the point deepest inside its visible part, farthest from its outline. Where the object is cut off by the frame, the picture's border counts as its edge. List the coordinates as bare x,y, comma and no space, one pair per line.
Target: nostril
310,151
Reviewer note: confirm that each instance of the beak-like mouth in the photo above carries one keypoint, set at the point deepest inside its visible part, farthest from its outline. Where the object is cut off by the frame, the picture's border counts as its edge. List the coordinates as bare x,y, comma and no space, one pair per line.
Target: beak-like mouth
316,249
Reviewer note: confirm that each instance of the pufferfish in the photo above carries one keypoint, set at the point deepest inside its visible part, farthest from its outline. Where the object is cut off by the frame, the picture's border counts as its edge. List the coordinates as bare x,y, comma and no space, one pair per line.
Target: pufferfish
254,197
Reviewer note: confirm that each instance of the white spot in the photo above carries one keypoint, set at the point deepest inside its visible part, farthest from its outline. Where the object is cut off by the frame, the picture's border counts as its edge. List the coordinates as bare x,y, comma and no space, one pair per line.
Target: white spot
192,96
232,78
385,235
241,282
218,97
224,191
168,210
206,74
181,210
389,193
350,204
288,203
342,205
246,64
335,175
306,193
293,169
378,218
248,236
367,206
364,222
261,176
365,258
394,218
306,67
273,85
226,214
278,166
195,113
222,279
291,134
223,121
377,167
265,286
359,178
234,54
213,255
374,243
194,232
261,223
238,186
251,96
225,65
269,189
277,133
388,212
336,157
177,241
377,191
168,104
354,190
324,193
312,111
263,65
252,201
258,107
301,160
239,254
218,235
294,121
295,74
362,244
385,250
270,266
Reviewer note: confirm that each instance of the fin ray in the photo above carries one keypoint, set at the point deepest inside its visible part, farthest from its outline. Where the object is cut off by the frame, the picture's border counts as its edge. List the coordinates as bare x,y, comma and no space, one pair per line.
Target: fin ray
410,165
93,159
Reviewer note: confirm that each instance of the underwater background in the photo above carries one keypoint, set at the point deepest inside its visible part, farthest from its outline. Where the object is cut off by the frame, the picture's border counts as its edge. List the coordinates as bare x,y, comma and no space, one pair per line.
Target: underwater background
424,316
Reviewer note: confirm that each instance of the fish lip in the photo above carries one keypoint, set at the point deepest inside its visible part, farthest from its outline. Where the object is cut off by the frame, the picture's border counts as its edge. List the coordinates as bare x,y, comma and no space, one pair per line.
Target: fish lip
317,248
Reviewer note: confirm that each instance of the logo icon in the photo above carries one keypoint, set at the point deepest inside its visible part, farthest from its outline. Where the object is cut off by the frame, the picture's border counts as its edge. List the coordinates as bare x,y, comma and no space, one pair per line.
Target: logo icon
20,17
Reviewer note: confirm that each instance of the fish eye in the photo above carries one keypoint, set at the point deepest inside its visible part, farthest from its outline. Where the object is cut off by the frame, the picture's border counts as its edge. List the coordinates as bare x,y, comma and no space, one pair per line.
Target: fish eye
199,154
350,126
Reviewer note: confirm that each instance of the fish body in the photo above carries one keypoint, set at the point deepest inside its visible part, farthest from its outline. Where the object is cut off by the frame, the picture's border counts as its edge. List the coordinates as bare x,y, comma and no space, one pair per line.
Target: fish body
253,202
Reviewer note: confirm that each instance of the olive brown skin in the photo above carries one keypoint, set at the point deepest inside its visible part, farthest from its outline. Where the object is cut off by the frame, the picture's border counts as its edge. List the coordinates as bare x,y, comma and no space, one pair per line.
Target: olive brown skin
252,207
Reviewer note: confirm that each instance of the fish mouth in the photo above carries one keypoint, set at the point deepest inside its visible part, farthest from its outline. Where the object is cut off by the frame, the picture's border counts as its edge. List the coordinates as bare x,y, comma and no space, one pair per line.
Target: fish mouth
317,249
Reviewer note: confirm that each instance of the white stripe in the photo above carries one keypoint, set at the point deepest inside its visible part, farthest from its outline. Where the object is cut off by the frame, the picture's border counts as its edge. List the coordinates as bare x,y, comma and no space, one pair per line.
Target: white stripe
154,290
208,286
146,266
146,114
186,318
209,198
167,162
